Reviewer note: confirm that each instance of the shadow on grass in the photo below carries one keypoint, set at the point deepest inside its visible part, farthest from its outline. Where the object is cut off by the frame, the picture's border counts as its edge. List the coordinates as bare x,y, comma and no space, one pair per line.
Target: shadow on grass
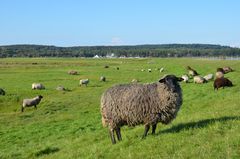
198,124
47,151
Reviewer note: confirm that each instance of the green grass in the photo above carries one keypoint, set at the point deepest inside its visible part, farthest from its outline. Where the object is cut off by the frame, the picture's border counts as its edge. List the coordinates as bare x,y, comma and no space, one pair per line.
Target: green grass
68,124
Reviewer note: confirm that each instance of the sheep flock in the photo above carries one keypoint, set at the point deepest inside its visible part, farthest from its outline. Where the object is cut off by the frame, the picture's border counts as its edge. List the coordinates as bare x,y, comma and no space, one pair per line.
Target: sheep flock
138,103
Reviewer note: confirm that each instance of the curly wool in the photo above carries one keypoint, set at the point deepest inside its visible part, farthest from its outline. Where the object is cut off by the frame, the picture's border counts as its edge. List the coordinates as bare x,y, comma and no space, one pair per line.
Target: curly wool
133,104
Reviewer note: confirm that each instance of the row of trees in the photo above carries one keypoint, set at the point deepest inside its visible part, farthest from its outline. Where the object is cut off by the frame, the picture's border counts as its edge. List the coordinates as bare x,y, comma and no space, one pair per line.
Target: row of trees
166,50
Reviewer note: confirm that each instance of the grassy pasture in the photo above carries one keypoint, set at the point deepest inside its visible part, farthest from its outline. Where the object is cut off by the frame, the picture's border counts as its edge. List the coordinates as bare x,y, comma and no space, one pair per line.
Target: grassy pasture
68,124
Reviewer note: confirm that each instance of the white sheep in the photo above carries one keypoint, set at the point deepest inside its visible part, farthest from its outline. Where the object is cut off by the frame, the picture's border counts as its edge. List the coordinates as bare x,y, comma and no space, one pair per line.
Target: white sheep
103,78
185,78
84,82
149,70
208,77
199,79
37,86
161,69
60,88
31,102
135,81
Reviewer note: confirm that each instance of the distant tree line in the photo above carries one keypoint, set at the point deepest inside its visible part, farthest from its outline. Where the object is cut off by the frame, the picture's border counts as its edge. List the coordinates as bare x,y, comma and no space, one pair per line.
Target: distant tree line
165,50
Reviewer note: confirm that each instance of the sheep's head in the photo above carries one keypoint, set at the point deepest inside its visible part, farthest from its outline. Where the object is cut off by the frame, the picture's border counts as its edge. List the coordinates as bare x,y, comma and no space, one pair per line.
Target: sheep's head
171,81
188,68
40,97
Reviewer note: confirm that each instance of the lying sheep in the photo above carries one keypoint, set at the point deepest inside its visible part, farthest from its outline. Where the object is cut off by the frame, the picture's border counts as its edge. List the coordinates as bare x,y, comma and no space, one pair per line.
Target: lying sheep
185,78
31,102
142,70
208,77
219,74
227,69
72,72
84,82
60,88
191,71
135,81
37,86
161,69
2,92
134,104
102,78
222,82
199,79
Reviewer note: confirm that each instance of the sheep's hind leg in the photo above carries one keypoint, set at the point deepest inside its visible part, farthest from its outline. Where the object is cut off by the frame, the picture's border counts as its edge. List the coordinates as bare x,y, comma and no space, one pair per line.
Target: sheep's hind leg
118,132
154,126
147,127
111,132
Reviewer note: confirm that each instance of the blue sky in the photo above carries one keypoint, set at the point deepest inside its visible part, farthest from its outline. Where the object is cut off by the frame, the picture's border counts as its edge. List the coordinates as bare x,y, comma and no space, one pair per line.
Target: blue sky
119,22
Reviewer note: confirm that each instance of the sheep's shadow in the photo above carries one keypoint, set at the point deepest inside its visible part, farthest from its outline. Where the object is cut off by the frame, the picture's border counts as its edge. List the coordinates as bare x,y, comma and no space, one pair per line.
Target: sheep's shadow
197,124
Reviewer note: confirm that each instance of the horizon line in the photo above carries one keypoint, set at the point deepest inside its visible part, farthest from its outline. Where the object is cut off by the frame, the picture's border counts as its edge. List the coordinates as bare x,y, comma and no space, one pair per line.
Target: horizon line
110,45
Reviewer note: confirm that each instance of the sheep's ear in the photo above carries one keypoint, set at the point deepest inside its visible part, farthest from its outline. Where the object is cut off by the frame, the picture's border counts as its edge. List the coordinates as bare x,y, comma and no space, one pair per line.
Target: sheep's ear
163,80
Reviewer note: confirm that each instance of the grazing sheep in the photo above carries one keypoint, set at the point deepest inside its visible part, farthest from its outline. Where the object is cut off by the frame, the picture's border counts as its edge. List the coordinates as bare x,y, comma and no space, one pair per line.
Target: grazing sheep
208,77
102,78
191,71
220,70
199,79
37,86
31,102
161,69
227,69
135,81
72,72
185,78
84,82
60,88
222,82
149,70
2,92
134,104
219,74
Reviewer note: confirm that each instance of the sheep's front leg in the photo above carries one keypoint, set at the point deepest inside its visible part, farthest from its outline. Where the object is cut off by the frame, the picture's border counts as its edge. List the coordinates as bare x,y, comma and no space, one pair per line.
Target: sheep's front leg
147,127
118,132
22,109
154,126
111,132
35,106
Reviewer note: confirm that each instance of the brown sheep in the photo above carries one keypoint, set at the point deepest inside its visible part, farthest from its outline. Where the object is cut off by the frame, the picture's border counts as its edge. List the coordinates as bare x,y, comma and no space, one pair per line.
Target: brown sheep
219,74
222,82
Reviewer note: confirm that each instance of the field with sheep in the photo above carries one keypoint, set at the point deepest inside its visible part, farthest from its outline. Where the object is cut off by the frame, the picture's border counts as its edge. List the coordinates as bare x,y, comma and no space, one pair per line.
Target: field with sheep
67,124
